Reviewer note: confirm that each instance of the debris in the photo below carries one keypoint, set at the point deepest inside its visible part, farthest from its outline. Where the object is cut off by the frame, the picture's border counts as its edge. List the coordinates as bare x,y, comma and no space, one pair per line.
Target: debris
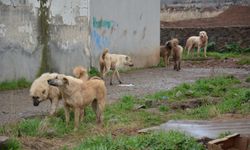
200,128
230,142
139,107
129,85
3,140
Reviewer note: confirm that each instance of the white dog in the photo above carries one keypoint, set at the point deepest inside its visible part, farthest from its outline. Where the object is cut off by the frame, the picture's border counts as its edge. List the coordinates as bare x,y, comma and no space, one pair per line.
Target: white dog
199,42
113,62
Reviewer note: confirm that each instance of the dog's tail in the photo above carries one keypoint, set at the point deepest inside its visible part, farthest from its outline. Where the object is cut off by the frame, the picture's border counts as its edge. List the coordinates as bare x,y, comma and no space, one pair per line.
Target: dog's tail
80,73
105,51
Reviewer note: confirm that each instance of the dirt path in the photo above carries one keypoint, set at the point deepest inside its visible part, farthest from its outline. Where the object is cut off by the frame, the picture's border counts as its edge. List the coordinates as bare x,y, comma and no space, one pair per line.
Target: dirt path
17,104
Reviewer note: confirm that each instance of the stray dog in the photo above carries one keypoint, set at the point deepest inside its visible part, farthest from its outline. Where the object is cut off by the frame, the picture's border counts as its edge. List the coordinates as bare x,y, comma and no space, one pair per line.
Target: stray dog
177,53
40,91
113,62
165,52
78,94
199,42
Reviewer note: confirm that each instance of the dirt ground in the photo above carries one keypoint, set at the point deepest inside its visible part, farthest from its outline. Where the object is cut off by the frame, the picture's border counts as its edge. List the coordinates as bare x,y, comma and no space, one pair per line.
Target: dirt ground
16,104
233,16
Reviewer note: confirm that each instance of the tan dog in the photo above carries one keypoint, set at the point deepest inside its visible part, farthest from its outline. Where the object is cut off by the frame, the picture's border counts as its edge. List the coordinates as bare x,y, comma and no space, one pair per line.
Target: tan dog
165,52
177,53
40,91
78,94
113,62
199,42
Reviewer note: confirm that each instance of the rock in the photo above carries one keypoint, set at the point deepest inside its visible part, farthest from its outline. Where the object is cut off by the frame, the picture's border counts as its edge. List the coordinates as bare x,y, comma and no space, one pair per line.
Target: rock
178,94
3,139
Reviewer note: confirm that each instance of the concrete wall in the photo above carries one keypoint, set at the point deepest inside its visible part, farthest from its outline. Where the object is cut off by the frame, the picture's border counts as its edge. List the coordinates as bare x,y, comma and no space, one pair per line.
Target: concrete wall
78,32
20,49
220,35
126,27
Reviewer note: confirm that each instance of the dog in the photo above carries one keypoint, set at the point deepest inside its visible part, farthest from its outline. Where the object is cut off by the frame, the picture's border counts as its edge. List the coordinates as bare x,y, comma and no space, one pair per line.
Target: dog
200,41
40,91
78,94
113,62
173,48
165,52
177,53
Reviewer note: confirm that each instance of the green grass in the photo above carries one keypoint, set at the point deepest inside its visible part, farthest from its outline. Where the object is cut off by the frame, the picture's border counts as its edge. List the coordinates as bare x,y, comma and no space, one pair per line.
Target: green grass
159,141
12,85
248,79
11,144
244,61
122,120
94,72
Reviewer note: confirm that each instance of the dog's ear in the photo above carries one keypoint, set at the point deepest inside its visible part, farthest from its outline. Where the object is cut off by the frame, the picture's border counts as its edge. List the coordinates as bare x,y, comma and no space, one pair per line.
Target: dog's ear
126,58
65,81
168,45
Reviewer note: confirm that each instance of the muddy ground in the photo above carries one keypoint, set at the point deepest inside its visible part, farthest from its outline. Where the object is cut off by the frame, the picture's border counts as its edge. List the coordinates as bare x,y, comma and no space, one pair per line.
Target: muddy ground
16,104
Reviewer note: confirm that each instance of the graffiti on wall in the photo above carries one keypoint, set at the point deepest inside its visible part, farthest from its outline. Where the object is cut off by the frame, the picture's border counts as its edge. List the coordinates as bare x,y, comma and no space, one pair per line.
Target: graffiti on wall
100,26
99,41
102,23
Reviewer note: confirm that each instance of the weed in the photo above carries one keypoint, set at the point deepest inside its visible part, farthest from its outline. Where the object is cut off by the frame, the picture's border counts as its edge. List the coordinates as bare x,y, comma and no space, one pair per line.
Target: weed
248,79
12,85
164,108
224,134
244,61
172,141
94,72
235,47
11,144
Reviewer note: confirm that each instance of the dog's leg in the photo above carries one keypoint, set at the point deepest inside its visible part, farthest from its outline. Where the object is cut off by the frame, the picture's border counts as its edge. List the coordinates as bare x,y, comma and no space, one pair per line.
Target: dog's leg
205,50
77,112
118,76
99,111
66,112
82,114
54,105
198,50
111,78
179,65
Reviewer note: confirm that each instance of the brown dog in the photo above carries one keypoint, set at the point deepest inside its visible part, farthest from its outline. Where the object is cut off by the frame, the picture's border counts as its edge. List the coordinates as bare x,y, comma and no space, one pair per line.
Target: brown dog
172,47
113,62
81,73
165,52
199,42
78,94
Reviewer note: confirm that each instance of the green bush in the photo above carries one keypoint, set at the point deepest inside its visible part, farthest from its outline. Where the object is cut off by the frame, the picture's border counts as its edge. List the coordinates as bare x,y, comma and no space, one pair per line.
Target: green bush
12,85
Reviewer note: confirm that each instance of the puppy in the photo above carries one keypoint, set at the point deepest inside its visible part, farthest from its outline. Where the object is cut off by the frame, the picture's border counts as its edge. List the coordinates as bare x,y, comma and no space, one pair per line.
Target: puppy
177,53
165,52
199,42
78,94
113,62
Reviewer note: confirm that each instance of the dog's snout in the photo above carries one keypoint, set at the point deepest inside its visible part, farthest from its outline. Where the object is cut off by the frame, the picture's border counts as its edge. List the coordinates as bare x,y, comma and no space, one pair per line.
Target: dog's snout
49,81
36,102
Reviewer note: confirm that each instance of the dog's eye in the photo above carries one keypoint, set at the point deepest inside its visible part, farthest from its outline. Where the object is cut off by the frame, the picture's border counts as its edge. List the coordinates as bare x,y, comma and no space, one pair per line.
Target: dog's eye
43,91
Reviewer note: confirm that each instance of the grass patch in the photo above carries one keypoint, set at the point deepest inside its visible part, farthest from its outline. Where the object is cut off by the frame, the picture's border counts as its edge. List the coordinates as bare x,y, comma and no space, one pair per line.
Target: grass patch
11,144
172,141
94,72
12,85
244,61
248,79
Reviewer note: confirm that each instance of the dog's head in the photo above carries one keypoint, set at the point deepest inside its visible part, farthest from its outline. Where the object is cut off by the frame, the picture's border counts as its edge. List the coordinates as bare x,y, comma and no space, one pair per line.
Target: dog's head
174,42
203,34
128,61
39,96
168,45
59,81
